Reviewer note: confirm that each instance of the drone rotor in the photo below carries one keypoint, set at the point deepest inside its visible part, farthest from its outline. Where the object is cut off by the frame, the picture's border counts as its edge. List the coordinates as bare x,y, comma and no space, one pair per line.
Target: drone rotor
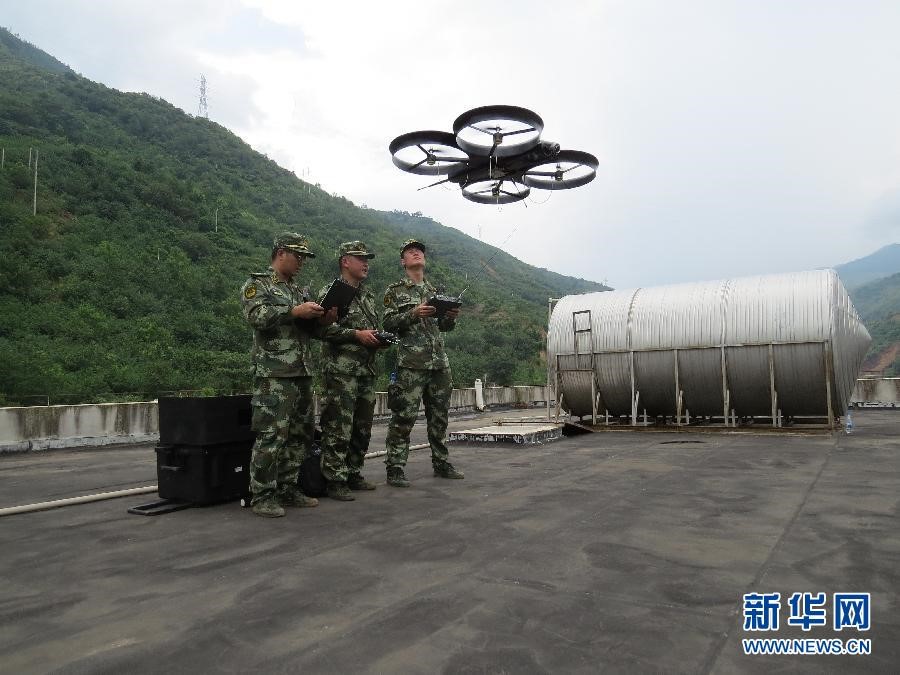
428,153
503,191
498,130
569,169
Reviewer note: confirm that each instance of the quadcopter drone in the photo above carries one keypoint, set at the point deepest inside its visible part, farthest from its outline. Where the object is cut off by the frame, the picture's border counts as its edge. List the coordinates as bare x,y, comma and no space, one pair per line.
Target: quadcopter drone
495,154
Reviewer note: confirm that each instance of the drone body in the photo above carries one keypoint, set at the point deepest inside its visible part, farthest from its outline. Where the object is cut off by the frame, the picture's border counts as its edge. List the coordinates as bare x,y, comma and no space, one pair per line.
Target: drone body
495,154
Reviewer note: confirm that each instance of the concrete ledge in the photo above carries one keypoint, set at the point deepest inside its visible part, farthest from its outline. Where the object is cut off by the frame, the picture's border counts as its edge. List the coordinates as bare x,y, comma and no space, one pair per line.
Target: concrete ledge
68,426
79,442
881,392
24,429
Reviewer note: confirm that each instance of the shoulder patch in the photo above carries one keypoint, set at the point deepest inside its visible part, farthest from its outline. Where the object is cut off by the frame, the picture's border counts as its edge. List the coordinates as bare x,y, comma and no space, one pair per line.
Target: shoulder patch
250,291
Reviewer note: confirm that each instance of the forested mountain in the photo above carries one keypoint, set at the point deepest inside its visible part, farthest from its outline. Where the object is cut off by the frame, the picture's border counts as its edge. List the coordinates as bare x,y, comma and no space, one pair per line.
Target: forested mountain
878,304
882,263
125,282
873,282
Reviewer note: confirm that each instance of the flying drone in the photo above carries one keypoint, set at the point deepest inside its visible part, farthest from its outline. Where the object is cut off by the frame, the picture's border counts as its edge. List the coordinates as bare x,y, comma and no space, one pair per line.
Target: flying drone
495,154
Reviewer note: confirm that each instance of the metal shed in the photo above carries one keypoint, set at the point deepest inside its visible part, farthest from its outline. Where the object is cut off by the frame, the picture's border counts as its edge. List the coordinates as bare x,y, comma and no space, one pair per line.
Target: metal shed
764,346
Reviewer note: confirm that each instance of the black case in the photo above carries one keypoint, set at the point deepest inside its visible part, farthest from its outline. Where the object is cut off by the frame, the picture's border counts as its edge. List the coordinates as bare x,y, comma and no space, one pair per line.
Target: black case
203,474
205,420
203,456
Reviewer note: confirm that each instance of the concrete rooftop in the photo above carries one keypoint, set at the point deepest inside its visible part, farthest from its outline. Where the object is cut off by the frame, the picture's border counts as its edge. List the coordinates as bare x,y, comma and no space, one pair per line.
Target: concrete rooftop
614,551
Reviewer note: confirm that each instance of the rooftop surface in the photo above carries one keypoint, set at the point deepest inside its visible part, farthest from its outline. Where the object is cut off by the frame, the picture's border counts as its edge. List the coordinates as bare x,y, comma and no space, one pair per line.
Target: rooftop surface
613,551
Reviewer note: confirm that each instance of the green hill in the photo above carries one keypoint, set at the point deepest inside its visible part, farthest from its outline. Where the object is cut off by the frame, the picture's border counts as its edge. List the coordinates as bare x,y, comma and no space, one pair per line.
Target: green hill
27,52
882,263
878,304
123,285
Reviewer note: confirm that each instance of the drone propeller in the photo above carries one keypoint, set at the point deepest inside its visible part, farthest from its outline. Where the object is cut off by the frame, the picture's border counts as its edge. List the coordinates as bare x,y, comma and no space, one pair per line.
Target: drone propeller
499,122
492,192
569,169
429,153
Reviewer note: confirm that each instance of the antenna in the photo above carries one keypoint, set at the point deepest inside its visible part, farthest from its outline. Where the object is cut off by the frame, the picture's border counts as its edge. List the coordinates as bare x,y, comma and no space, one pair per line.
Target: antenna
484,265
202,108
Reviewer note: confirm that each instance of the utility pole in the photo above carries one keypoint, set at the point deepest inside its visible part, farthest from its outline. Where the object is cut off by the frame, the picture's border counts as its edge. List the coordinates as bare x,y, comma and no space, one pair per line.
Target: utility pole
217,219
34,210
29,158
202,108
2,157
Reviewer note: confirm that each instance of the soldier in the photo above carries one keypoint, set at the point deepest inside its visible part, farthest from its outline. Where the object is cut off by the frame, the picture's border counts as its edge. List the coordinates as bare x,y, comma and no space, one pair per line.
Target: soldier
349,354
282,319
423,371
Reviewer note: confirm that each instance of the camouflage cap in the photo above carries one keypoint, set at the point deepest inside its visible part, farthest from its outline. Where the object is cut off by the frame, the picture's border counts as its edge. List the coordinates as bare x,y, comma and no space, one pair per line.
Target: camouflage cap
412,242
357,248
293,242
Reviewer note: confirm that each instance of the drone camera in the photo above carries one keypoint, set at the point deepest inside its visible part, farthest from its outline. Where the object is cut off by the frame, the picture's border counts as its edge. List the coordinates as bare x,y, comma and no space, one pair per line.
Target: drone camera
550,149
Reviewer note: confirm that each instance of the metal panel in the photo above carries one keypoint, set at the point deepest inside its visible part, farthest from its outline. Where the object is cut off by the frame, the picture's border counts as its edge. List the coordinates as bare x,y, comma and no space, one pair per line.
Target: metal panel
728,341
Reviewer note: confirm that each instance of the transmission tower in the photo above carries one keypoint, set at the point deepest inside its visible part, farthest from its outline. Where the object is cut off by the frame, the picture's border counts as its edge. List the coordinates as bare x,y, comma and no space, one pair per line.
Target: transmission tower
203,109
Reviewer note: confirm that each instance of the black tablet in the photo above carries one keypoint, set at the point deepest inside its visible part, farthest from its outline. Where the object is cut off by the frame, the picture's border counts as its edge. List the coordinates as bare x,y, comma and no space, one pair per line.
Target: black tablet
339,295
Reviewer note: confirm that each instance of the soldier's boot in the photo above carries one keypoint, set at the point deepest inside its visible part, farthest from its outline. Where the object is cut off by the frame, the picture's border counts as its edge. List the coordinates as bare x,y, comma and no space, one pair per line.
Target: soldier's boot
297,499
339,491
396,477
357,483
447,470
268,508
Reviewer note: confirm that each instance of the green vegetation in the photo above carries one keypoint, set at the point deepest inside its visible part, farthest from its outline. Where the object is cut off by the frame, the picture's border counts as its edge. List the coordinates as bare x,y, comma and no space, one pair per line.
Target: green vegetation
878,304
122,285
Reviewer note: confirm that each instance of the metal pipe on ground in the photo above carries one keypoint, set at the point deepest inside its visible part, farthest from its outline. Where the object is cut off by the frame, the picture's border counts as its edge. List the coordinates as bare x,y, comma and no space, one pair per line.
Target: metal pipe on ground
71,501
382,453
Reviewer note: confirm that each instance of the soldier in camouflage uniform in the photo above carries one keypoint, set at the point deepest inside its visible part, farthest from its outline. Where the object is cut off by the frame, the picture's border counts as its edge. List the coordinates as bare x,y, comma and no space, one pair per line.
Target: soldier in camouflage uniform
349,356
423,371
283,320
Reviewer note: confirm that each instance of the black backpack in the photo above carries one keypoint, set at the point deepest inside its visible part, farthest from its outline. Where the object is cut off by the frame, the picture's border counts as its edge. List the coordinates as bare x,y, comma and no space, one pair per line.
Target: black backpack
311,481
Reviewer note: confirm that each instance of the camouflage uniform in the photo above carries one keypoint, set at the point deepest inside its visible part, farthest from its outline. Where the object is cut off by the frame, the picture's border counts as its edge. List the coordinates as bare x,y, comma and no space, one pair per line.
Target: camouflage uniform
283,415
349,369
423,372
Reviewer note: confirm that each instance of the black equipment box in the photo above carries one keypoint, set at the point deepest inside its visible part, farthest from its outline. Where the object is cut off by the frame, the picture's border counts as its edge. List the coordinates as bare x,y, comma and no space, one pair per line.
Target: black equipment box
205,420
204,474
205,445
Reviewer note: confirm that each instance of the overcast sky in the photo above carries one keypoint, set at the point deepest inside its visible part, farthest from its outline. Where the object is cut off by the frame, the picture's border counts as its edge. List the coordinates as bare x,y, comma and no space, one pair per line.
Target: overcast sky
734,138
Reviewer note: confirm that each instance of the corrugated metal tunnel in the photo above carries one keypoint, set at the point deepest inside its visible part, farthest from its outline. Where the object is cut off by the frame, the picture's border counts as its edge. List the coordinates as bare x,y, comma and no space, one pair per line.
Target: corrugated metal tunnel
764,346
